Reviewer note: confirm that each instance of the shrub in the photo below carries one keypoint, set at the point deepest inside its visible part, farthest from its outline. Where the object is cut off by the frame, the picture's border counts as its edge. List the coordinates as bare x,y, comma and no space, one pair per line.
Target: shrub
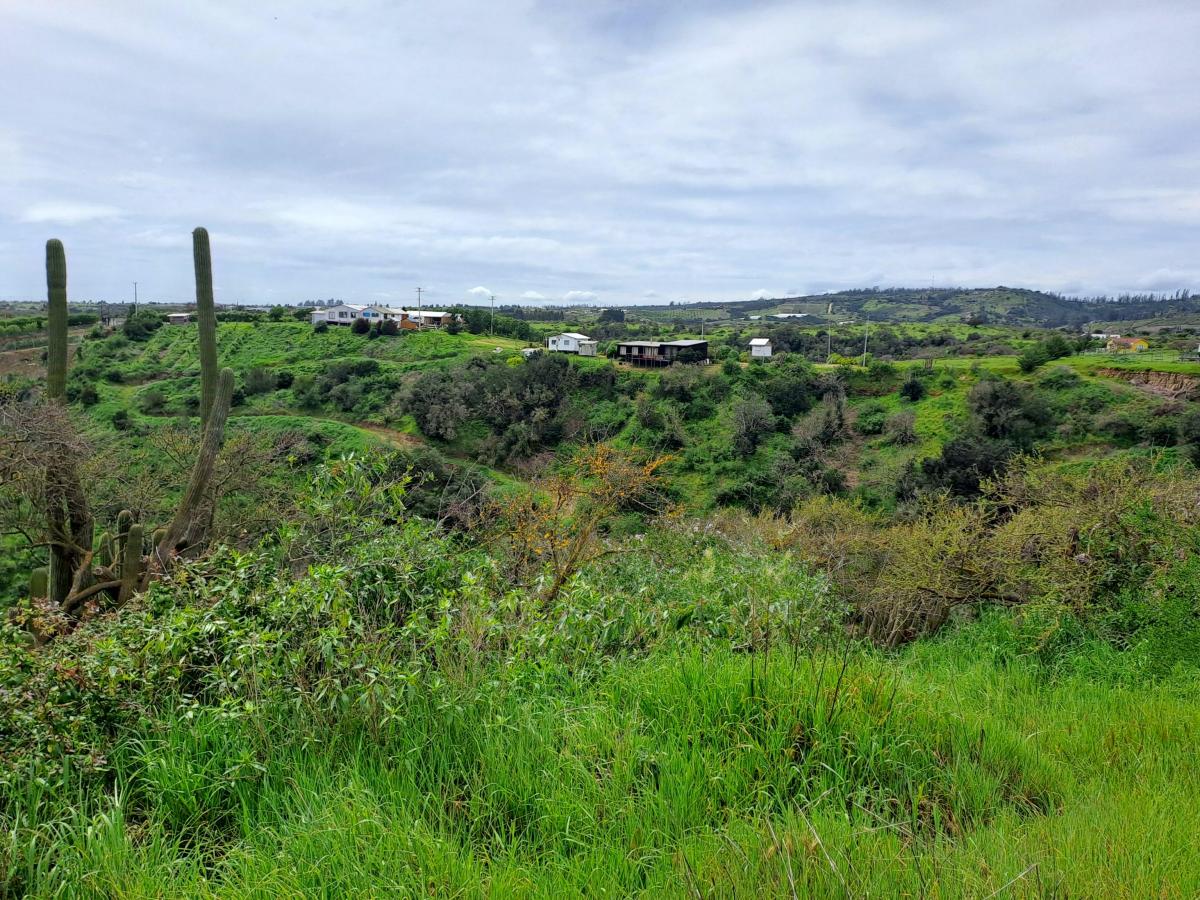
260,380
152,401
913,388
120,420
901,428
321,327
871,419
360,326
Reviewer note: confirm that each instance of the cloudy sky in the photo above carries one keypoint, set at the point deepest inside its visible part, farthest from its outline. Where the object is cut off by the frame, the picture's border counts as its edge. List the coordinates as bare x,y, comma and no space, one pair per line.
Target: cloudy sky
613,150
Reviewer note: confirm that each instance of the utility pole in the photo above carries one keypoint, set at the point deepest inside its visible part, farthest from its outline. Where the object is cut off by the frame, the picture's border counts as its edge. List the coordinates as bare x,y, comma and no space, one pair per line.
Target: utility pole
829,333
420,321
135,298
492,326
866,331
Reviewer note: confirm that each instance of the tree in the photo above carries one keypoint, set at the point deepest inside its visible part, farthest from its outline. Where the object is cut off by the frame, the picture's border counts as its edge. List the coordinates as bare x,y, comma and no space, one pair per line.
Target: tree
751,419
360,326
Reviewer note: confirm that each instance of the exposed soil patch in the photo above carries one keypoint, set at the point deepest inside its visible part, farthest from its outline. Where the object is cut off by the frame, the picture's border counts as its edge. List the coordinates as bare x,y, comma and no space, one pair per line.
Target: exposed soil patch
1175,385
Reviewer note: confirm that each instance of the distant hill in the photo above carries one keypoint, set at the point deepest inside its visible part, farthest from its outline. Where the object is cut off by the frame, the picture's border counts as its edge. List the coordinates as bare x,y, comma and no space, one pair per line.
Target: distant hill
995,306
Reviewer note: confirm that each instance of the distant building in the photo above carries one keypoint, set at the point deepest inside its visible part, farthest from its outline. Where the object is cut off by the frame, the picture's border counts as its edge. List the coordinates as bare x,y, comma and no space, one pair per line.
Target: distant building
346,313
662,353
1102,335
180,318
568,342
760,348
790,316
1127,345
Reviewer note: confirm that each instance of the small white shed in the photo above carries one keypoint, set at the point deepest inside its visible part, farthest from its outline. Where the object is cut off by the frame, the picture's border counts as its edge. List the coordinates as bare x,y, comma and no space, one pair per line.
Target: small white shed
760,348
568,342
588,348
179,318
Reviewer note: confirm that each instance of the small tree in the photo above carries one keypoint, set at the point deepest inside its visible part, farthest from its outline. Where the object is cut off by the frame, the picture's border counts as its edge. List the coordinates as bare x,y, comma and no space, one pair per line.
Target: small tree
913,388
553,532
360,326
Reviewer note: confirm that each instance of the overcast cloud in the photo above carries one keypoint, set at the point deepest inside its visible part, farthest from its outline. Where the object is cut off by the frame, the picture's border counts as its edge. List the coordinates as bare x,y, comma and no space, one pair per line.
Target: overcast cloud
604,152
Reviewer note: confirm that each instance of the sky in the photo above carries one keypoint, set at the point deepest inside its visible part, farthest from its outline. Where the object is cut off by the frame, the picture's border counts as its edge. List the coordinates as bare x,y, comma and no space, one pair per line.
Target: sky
613,151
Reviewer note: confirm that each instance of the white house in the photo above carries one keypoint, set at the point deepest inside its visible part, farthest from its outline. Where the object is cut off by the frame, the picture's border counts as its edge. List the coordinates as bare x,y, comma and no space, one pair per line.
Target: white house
342,314
569,341
179,318
760,348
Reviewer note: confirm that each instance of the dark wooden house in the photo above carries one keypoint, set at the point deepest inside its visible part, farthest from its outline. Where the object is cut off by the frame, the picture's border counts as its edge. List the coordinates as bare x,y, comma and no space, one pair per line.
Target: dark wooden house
662,353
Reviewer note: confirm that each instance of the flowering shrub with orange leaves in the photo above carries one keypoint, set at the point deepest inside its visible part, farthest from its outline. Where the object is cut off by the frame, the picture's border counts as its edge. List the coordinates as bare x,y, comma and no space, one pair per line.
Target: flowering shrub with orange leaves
553,531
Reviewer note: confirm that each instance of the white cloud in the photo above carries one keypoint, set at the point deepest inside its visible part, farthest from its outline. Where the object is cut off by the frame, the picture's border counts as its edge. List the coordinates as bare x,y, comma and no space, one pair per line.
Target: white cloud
479,293
533,296
579,297
718,146
67,213
762,294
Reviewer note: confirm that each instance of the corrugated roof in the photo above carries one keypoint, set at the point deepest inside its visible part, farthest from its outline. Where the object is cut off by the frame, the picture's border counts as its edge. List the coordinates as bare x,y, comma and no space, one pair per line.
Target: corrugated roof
573,334
760,342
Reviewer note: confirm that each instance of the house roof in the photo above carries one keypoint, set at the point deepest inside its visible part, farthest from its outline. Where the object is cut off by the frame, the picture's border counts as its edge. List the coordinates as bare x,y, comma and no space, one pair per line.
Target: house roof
641,343
1127,341
692,343
573,334
760,342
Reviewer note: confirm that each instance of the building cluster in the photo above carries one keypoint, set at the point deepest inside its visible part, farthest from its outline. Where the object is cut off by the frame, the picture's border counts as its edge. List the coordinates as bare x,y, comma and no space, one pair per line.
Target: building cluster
646,353
411,319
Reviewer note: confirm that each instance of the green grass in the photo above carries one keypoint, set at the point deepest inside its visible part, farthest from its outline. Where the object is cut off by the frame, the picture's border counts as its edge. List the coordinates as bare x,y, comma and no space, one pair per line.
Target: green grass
936,773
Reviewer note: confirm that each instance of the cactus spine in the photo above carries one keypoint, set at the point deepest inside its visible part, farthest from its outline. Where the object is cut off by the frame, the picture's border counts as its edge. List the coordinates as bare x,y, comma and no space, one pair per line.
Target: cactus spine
56,320
206,323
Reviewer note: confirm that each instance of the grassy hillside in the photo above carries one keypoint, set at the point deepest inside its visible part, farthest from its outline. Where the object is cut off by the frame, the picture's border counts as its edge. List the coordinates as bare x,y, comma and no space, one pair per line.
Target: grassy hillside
997,306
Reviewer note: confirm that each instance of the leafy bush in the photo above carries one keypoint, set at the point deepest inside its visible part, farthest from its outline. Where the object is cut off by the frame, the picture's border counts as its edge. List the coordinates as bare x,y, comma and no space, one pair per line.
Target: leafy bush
871,419
913,389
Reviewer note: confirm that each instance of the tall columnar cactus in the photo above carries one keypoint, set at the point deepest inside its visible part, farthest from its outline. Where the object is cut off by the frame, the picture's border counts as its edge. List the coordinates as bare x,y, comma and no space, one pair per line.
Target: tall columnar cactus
131,563
39,581
56,296
206,323
68,518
